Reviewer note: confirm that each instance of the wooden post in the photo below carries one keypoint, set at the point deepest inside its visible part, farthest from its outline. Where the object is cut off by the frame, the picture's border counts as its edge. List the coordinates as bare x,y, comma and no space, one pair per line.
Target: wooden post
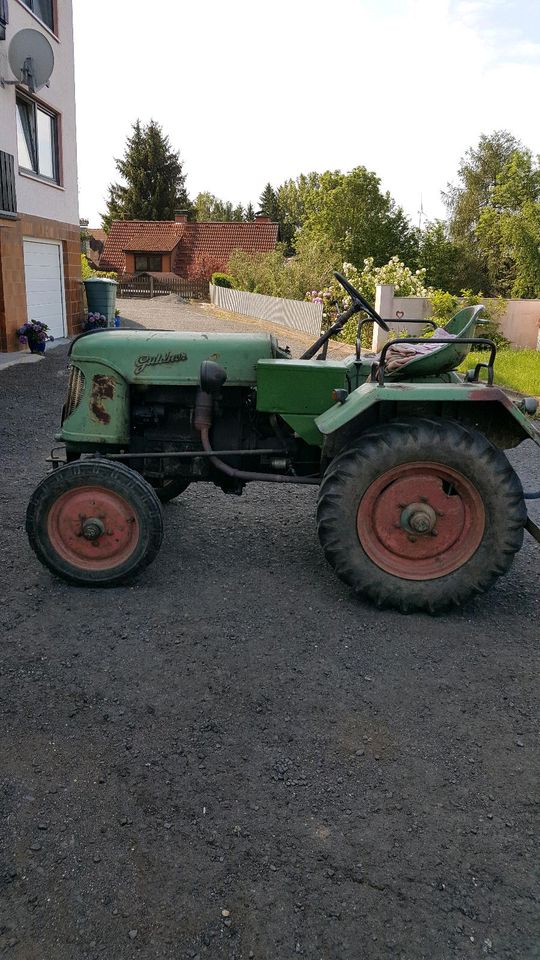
151,288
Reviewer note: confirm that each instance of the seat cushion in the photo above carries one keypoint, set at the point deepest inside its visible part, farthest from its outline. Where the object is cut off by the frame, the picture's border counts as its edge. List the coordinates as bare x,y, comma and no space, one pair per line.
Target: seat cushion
399,354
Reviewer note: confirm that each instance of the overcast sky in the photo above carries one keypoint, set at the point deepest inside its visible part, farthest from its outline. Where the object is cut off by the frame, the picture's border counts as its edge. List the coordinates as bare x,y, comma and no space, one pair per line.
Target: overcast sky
251,92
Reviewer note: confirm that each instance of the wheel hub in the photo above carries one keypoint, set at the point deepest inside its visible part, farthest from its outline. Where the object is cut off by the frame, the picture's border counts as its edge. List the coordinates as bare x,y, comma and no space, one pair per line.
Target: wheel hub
419,518
420,521
92,528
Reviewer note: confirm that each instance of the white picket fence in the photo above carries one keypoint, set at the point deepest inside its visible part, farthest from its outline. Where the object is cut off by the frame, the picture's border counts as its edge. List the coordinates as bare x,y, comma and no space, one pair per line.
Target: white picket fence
295,314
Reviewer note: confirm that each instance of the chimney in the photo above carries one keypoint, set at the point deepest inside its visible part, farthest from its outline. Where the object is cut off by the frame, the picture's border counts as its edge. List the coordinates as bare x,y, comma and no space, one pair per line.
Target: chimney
181,216
262,218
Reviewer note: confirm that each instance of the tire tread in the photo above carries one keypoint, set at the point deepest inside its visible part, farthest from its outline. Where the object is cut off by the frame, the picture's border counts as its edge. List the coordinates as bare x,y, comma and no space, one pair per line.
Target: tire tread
405,441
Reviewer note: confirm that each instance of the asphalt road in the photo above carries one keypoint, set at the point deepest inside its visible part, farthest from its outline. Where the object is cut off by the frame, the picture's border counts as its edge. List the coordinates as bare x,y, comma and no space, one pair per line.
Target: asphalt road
234,758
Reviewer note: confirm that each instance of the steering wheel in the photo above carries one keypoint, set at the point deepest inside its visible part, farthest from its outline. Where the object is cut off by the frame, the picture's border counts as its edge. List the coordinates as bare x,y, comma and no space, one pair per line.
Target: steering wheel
359,300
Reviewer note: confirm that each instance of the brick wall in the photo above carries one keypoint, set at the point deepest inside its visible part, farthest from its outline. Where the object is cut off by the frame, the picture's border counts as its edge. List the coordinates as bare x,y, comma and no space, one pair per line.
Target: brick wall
12,284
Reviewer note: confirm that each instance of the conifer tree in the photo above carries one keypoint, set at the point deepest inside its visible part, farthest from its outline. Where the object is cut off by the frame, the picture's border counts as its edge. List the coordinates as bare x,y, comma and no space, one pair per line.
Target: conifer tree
268,203
153,185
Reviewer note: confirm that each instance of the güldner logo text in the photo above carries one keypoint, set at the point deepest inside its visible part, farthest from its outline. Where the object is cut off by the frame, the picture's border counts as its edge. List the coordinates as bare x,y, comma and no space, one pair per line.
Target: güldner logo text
141,363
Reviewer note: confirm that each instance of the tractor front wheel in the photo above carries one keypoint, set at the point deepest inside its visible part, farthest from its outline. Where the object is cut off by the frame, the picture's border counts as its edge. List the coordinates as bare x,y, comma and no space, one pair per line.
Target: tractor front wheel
421,515
94,523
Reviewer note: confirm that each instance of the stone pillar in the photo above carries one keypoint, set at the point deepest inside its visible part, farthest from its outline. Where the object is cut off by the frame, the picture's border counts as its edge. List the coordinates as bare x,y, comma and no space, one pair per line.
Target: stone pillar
384,305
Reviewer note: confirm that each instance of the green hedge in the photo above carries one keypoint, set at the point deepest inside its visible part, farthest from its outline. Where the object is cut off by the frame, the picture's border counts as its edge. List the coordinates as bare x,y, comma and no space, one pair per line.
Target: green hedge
223,280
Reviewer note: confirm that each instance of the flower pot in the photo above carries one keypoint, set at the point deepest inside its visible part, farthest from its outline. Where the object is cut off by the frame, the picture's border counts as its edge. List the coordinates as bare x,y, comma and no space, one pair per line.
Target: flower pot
37,347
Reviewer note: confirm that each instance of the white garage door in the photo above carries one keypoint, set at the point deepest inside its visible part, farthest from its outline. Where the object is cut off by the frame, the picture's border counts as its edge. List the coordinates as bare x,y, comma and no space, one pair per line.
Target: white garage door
45,285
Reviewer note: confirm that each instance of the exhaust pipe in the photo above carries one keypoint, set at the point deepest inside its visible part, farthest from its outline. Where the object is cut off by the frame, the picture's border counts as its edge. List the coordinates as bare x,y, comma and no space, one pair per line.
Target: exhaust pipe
202,421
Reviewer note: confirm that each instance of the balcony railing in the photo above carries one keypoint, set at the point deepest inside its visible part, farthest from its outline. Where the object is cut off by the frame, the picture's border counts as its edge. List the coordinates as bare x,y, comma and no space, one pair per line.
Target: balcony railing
8,196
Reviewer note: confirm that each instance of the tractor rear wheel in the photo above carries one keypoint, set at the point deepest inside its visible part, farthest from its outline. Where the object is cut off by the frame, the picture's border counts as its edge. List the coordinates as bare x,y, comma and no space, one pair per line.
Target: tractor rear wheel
421,515
94,522
170,489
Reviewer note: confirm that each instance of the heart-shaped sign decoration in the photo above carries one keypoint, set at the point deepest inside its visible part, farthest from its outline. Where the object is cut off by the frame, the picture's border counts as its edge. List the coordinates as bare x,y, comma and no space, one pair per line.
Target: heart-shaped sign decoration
400,314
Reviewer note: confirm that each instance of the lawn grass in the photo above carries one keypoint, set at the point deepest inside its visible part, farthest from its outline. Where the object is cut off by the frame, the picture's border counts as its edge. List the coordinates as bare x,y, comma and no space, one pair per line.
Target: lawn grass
517,369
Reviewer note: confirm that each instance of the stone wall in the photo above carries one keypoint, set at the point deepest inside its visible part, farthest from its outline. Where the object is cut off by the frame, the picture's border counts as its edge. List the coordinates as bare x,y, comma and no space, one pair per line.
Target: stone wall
519,323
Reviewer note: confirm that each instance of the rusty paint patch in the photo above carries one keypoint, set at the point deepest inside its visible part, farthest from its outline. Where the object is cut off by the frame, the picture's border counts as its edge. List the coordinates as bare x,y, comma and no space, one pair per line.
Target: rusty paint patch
102,389
491,394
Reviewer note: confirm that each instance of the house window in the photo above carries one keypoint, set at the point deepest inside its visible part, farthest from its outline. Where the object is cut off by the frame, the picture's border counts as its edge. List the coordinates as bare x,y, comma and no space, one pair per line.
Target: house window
148,262
37,139
8,198
42,9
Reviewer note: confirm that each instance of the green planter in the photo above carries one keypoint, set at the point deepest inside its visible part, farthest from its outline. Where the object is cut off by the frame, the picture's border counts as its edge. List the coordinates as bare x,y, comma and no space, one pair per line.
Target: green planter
101,296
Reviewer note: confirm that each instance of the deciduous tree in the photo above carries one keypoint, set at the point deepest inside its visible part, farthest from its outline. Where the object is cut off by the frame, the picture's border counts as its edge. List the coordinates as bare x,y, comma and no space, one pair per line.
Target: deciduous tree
353,214
211,208
477,177
450,264
508,230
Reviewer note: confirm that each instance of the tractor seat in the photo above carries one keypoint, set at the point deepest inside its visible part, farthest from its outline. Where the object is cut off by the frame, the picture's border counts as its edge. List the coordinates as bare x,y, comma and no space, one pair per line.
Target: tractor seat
405,360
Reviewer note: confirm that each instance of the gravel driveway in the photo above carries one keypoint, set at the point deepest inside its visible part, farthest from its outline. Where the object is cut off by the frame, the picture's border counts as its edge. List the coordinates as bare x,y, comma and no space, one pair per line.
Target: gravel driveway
165,313
235,759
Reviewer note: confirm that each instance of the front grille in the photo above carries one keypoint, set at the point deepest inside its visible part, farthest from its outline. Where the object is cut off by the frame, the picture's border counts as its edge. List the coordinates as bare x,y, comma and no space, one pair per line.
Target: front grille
75,391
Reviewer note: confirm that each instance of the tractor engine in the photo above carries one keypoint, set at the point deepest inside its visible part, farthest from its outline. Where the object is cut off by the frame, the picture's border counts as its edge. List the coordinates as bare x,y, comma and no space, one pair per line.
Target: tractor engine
163,419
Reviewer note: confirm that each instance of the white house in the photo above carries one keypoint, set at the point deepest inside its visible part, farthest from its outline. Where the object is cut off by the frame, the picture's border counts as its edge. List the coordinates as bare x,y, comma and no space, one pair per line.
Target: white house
40,267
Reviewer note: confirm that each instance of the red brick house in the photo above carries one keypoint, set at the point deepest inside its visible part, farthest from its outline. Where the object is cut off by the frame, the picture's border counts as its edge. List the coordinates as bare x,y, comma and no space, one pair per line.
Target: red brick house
189,250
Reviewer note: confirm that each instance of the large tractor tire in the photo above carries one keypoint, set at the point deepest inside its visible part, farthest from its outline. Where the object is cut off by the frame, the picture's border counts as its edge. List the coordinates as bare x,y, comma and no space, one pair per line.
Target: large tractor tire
421,515
170,489
94,523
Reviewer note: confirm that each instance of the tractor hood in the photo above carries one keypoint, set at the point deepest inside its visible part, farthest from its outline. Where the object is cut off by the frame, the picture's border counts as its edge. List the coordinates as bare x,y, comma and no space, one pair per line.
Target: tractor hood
167,357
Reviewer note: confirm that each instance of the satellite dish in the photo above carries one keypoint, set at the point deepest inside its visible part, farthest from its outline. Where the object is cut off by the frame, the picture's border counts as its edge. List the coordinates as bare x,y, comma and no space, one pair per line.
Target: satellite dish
31,59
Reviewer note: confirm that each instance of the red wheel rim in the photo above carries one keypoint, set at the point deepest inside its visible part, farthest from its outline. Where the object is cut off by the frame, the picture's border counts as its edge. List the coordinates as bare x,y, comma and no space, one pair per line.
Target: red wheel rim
420,521
92,528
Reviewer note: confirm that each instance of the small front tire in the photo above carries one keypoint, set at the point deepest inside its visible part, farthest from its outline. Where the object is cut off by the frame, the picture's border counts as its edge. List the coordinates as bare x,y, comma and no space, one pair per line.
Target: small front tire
94,523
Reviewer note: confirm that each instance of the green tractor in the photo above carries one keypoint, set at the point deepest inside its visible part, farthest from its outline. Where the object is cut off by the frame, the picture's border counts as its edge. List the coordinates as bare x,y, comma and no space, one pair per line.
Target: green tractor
418,507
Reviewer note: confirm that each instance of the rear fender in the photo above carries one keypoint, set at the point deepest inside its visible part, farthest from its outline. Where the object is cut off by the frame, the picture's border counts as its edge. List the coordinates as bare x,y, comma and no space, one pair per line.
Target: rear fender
486,409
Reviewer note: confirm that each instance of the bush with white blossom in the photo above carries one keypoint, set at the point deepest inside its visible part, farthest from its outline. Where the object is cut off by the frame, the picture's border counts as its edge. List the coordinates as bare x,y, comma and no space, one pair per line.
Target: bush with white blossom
406,283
